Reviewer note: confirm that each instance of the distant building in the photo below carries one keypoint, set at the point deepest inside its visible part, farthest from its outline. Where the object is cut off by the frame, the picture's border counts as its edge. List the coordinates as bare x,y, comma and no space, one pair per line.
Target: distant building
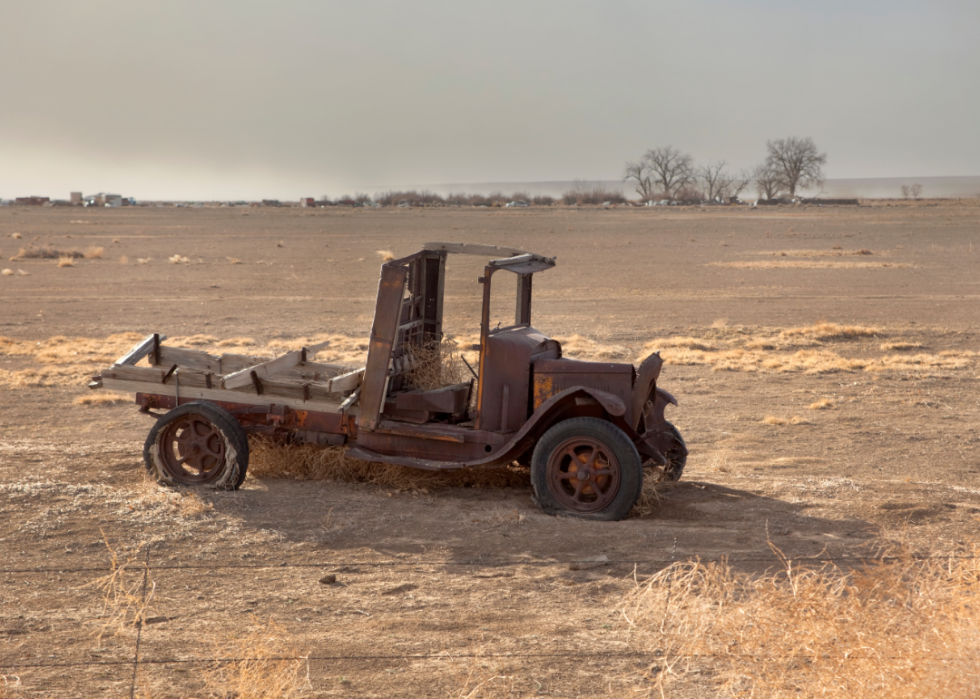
32,201
76,197
271,202
307,201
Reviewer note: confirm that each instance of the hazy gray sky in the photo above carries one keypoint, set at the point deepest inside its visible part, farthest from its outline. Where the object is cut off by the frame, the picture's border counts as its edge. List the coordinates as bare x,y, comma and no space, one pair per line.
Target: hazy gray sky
247,99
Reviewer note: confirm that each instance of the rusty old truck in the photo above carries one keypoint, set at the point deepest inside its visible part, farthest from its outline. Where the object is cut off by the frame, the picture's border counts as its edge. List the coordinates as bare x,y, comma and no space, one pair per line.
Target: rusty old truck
585,429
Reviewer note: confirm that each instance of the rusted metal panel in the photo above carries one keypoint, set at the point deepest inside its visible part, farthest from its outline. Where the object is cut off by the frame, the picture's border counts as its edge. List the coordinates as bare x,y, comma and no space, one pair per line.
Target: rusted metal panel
451,399
391,289
505,378
646,378
552,376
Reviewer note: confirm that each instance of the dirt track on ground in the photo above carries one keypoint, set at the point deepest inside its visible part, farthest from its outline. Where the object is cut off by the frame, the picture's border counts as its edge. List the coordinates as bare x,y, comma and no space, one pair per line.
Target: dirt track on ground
817,442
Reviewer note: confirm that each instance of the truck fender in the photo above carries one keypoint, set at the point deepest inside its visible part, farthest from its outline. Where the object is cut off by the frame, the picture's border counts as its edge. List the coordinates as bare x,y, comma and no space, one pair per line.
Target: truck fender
653,411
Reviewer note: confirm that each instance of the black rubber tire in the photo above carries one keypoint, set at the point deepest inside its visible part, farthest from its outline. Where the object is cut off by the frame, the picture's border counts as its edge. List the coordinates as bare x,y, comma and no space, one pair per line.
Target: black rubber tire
612,438
676,456
230,473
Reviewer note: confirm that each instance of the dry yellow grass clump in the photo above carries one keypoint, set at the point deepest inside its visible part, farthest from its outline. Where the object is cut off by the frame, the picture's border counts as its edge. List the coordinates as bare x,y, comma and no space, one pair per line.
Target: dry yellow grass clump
16,236
101,398
66,261
822,404
123,260
233,261
94,252
236,342
900,346
775,420
7,272
823,330
385,255
64,360
178,260
897,627
268,666
587,348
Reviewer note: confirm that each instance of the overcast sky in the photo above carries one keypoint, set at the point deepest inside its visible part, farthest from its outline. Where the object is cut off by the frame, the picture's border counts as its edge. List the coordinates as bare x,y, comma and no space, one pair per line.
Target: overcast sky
247,99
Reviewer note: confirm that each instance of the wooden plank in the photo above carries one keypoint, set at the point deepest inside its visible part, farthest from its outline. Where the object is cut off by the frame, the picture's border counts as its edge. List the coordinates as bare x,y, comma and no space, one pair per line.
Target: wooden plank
139,350
391,289
125,372
218,394
243,377
313,371
230,363
475,249
195,360
345,382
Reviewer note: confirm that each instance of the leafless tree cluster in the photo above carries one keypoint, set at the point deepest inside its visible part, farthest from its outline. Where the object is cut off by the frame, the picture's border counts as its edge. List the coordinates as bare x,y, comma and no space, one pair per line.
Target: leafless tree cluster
911,191
667,173
583,192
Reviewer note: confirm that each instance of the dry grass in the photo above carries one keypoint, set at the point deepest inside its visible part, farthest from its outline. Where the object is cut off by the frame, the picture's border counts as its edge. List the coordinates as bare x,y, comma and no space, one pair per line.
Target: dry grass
234,261
143,260
267,665
436,365
588,348
7,272
66,261
779,421
268,459
896,627
837,252
809,264
822,404
22,273
16,236
823,330
45,253
236,342
899,346
123,260
386,255
101,398
127,591
93,252
178,260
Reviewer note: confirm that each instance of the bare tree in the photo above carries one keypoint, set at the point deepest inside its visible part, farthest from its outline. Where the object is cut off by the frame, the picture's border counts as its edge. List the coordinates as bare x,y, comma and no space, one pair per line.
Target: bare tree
738,183
669,168
714,179
915,190
641,173
768,181
796,161
905,191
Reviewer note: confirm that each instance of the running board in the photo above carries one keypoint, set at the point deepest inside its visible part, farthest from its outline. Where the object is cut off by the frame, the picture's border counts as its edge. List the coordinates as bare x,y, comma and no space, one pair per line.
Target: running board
425,464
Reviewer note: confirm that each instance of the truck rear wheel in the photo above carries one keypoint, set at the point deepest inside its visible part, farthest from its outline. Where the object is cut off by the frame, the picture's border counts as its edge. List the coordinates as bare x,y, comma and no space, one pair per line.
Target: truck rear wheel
197,444
586,467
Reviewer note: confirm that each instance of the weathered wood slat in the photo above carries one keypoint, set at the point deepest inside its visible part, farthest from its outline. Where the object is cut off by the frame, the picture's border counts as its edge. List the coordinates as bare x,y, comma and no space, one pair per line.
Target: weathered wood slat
139,350
345,382
196,360
243,377
125,372
219,394
314,371
230,363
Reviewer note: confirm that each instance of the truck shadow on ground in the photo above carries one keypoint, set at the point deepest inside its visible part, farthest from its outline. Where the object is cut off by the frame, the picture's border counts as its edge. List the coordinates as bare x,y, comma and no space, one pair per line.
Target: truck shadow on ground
340,521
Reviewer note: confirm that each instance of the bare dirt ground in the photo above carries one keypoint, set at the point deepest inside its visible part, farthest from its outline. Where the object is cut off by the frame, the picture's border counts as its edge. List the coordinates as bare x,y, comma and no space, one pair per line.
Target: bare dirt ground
826,362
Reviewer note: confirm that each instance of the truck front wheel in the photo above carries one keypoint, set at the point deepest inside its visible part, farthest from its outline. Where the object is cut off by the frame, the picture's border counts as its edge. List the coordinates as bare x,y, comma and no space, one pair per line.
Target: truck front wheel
586,467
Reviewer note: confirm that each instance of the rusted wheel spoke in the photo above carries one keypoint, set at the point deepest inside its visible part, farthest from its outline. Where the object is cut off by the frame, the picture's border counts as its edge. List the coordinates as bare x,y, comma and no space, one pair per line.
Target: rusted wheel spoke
584,474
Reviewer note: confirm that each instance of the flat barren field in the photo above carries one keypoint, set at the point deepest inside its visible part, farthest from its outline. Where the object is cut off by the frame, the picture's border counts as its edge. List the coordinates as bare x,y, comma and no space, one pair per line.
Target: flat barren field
827,365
